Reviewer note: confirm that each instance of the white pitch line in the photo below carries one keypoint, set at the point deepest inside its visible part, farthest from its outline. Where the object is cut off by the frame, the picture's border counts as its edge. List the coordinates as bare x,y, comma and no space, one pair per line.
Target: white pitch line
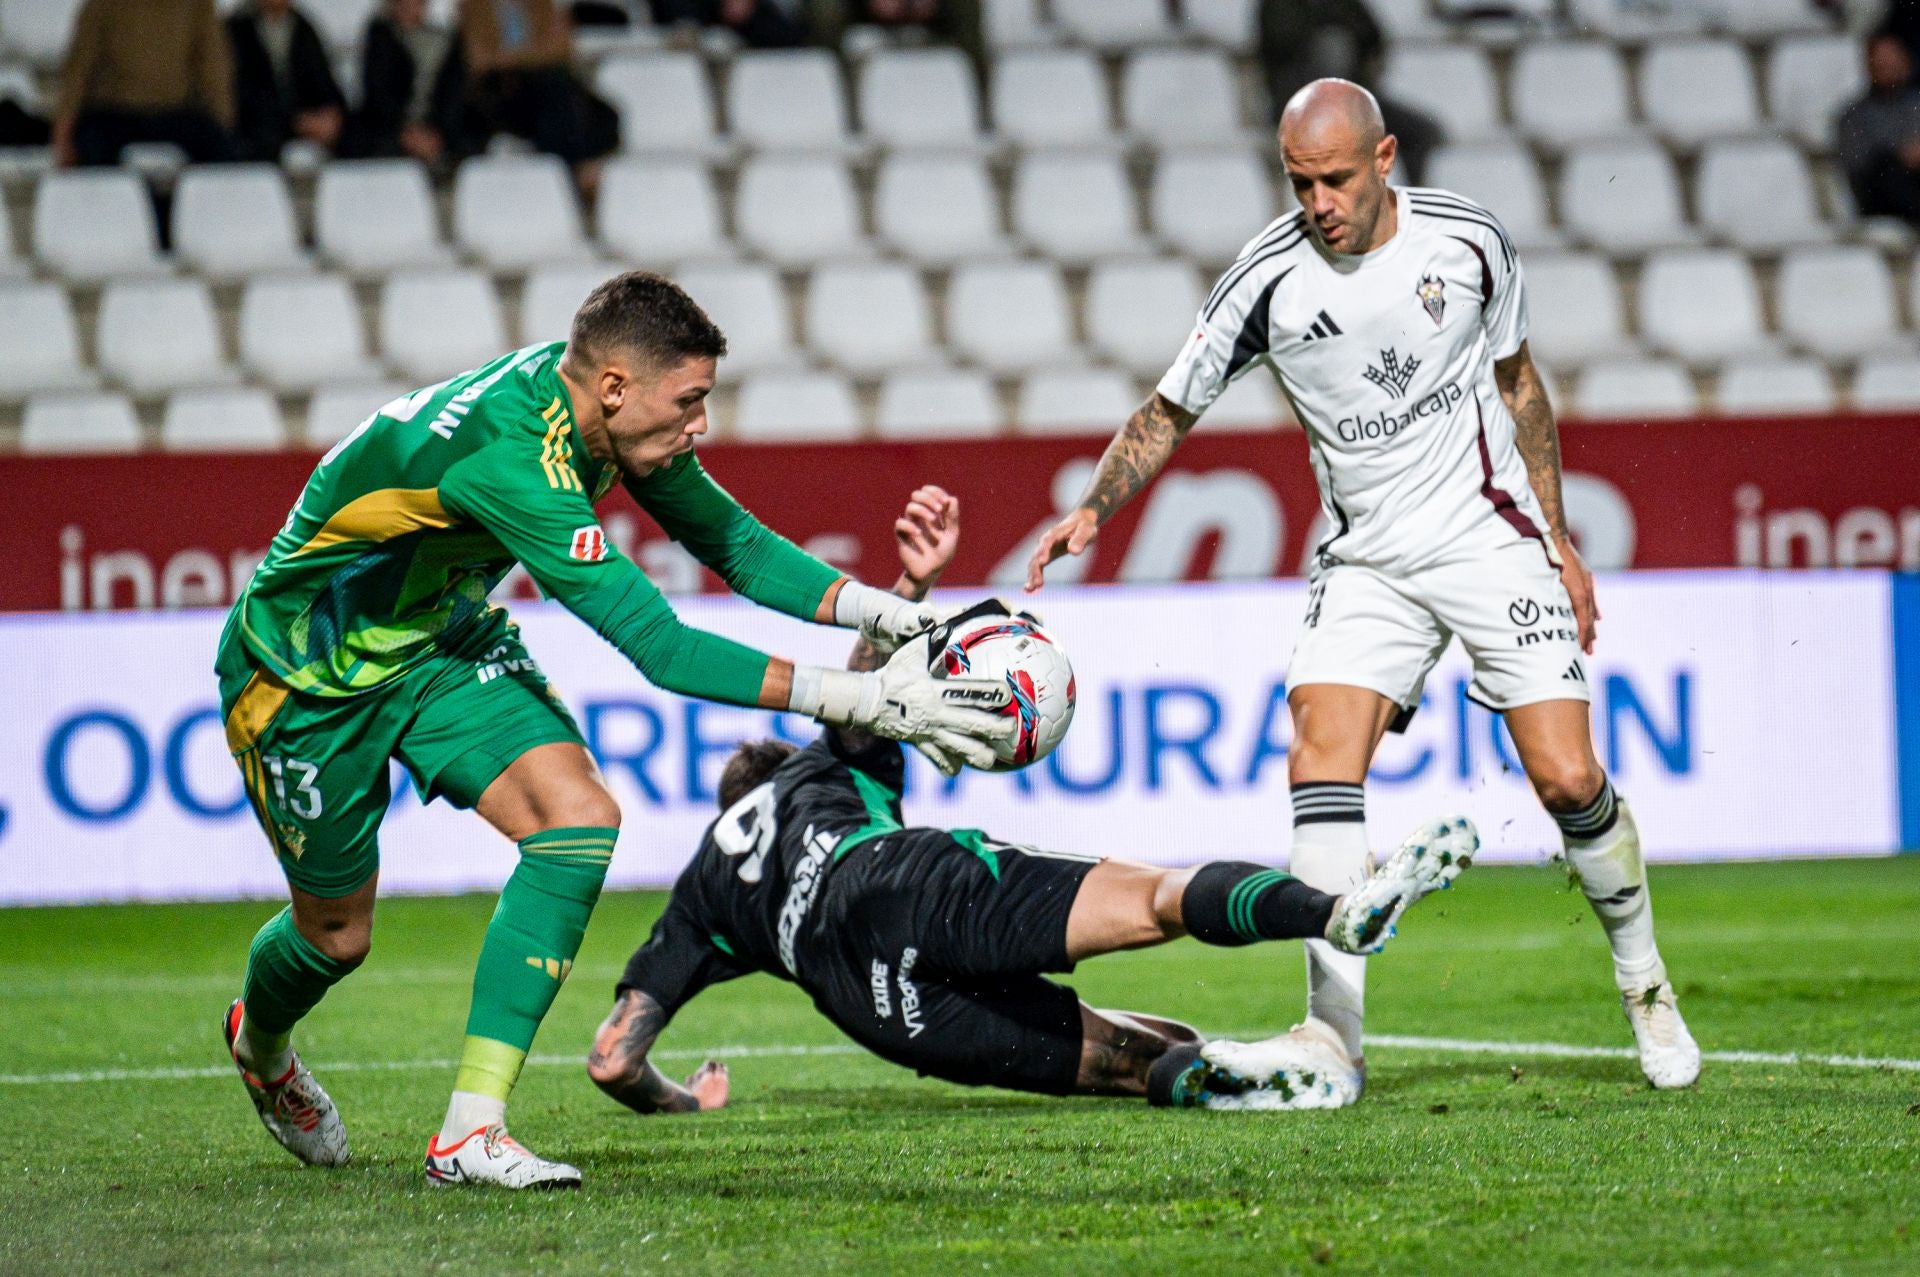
1450,1046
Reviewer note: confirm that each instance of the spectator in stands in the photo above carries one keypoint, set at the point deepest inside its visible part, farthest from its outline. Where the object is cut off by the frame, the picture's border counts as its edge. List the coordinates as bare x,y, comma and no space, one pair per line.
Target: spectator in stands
1306,40
519,56
760,24
955,22
414,100
1879,136
283,85
1902,20
144,71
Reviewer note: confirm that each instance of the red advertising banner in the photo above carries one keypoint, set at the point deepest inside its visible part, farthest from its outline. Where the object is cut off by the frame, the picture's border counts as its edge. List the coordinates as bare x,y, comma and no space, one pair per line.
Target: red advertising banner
175,530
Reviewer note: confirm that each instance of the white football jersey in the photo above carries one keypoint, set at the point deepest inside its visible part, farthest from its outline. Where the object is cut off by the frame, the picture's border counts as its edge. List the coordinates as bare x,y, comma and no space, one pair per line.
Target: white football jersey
1388,361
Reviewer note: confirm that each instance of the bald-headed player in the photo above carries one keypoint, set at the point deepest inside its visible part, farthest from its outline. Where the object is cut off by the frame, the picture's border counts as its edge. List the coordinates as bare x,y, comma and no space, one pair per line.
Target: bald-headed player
1396,323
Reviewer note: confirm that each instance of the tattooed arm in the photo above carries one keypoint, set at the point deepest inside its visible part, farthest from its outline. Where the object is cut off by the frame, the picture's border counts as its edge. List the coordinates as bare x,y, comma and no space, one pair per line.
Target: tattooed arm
1136,455
619,1066
1538,439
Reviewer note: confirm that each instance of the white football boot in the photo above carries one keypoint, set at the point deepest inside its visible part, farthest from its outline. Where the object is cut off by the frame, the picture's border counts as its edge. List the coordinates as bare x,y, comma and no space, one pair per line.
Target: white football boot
491,1156
1429,860
293,1107
1304,1068
1668,1054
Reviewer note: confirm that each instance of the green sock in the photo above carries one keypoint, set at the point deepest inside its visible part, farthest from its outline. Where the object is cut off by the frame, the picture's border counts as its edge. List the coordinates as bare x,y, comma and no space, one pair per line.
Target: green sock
286,977
529,949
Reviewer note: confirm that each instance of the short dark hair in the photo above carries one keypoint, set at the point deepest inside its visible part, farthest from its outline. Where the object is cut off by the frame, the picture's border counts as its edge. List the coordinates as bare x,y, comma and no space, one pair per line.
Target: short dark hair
752,762
647,315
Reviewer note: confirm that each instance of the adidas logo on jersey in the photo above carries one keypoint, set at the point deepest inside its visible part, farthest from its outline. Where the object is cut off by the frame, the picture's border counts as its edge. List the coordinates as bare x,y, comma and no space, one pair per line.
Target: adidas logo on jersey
1323,326
1392,376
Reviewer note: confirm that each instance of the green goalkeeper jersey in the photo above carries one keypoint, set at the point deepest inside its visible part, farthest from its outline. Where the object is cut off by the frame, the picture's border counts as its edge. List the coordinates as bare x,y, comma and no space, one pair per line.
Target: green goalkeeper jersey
408,524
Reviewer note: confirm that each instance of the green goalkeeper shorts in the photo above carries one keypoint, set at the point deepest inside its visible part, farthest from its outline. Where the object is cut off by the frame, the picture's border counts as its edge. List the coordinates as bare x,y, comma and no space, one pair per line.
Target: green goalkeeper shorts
316,767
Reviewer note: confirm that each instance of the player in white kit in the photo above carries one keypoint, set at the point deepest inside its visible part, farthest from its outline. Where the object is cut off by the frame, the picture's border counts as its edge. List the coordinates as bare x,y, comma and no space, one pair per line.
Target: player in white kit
1396,322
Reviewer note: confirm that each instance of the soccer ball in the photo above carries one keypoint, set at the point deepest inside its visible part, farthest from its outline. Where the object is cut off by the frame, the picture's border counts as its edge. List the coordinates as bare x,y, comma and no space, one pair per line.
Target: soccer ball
1037,672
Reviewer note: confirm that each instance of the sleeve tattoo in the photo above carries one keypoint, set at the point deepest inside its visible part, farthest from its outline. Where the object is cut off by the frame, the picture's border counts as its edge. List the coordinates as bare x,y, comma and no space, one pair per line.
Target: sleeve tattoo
639,1085
1137,454
1535,435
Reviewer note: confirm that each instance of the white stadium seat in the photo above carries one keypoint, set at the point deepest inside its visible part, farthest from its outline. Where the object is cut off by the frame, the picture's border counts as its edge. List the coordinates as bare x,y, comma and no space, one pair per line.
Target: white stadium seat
79,423
1503,177
514,211
1759,387
937,403
235,220
1574,308
937,209
38,30
657,212
1139,313
750,306
297,331
41,342
1174,97
1570,91
1014,24
1009,316
1637,20
342,23
1113,24
1623,197
664,98
798,209
1635,388
1090,401
1772,17
1838,302
221,420
1887,383
1452,82
919,97
1076,207
93,224
1232,23
1810,80
334,412
1208,204
869,318
435,324
796,405
1252,403
552,295
373,216
1701,305
160,335
1405,19
1050,97
1758,193
787,100
12,265
1691,90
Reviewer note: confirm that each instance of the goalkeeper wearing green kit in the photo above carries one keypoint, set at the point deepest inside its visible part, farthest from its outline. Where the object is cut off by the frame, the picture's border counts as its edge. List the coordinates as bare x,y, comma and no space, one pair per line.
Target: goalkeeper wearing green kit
366,635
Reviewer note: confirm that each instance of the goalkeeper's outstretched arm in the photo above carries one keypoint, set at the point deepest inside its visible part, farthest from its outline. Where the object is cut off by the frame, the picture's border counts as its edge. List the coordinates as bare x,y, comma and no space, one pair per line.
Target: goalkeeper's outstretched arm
618,1063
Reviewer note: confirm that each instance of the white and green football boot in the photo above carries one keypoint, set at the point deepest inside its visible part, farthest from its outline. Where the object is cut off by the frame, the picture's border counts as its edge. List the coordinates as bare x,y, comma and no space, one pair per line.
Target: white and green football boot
1429,860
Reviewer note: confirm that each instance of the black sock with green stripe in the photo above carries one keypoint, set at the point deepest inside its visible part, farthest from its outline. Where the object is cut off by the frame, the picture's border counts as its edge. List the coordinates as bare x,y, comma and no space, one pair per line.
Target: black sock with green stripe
1232,902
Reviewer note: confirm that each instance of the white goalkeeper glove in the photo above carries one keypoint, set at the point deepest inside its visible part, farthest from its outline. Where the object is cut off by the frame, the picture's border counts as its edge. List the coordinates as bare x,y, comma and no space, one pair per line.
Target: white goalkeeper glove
883,618
952,721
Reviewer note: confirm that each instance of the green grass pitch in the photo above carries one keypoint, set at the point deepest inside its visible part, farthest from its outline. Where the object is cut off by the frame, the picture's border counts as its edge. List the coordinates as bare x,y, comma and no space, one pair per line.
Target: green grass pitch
830,1161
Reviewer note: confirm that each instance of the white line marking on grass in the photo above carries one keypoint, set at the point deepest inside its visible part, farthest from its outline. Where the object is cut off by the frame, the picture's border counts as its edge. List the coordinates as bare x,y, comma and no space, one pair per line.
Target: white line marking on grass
1448,1046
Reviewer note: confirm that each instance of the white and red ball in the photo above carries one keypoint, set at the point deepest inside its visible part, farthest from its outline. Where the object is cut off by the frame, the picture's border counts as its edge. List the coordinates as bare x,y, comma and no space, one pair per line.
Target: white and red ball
1036,670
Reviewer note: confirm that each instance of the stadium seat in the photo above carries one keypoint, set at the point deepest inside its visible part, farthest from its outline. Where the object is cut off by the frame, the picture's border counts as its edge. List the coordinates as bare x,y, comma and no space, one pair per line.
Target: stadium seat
373,216
38,30
228,419
658,212
1810,79
798,210
1014,24
1252,403
1009,316
1452,82
1887,383
92,224
938,403
1760,387
937,209
230,221
1050,97
1140,312
795,405
12,264
41,342
1637,20
297,331
1502,176
437,323
1838,302
1691,90
1765,18
919,97
1175,97
665,101
1405,19
1627,388
1623,197
159,335
1209,204
334,412
1701,305
552,295
79,423
1758,193
787,100
1574,309
869,318
750,306
1570,91
1080,400
1113,24
1233,24
515,211
341,23
1076,207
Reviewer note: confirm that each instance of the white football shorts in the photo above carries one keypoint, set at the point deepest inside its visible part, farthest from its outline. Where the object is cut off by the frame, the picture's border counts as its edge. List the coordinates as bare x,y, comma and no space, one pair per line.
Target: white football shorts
1366,628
